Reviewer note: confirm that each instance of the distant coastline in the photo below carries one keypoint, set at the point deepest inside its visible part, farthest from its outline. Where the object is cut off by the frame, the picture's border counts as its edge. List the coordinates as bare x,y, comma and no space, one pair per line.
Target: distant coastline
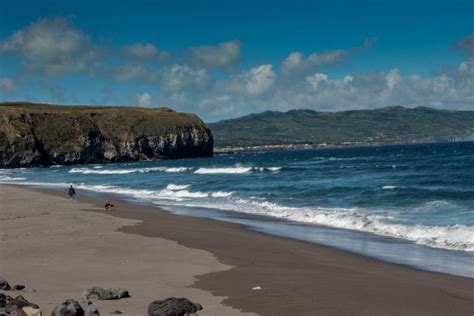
219,150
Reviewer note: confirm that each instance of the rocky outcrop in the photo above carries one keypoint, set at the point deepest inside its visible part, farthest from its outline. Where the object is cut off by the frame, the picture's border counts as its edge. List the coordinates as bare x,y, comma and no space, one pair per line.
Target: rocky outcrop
104,294
43,135
173,306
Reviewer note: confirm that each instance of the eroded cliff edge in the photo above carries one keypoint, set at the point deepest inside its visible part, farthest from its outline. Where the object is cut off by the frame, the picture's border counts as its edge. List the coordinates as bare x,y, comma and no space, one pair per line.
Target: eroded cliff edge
42,135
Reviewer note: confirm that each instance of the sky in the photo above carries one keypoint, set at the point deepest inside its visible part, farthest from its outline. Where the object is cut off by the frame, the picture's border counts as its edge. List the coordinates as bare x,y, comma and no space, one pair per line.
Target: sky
223,59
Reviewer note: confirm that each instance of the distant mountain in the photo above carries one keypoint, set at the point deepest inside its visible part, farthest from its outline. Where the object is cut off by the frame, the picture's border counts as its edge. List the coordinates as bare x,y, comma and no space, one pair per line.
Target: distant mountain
385,125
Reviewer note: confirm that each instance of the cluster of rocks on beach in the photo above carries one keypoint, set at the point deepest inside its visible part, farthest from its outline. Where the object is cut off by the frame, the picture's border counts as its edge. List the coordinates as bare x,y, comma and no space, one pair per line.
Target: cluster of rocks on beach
20,306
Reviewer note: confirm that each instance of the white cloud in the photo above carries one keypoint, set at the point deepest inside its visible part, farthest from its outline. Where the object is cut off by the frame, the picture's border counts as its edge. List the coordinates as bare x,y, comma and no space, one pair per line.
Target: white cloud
144,52
393,78
180,77
316,79
298,65
223,55
253,82
143,99
53,46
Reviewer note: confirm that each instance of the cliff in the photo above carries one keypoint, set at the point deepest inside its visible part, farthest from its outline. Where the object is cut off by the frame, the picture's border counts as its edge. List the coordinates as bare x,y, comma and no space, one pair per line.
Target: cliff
42,135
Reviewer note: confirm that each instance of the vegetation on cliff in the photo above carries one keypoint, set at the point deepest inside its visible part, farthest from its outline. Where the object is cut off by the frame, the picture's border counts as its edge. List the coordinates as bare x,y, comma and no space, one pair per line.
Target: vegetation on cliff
41,135
390,124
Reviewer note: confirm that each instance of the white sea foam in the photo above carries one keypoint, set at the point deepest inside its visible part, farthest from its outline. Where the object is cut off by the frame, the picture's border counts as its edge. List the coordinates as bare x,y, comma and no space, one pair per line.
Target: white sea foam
454,237
177,169
175,187
389,187
171,192
7,179
100,170
236,170
231,170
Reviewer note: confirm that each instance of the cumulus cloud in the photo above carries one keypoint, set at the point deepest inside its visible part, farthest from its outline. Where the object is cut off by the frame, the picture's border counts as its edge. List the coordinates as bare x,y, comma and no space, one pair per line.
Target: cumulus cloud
53,46
144,52
7,85
143,99
296,64
223,55
179,77
254,82
316,79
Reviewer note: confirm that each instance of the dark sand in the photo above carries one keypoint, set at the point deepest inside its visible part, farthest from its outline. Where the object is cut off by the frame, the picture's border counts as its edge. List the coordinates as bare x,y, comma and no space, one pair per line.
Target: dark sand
300,278
297,278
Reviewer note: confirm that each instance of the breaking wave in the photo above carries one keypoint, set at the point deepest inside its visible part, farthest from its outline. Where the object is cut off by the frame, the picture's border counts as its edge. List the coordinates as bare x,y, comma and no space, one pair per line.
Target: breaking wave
96,170
453,237
236,170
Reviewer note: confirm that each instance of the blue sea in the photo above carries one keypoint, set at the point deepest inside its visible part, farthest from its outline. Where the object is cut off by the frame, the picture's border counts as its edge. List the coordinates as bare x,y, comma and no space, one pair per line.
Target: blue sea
408,204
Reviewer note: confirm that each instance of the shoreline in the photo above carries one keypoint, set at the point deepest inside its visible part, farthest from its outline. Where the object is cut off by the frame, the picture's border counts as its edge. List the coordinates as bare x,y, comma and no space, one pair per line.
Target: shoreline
296,277
229,150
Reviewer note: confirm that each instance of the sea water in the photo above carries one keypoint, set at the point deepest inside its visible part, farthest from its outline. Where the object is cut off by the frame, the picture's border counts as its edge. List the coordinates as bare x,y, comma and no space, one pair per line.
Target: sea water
409,204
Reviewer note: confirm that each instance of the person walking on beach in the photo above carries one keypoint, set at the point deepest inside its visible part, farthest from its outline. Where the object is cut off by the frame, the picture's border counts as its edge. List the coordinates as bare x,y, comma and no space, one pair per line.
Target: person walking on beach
72,193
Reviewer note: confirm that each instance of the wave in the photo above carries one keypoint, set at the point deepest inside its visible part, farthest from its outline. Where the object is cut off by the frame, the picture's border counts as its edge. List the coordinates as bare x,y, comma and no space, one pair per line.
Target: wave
7,179
389,187
100,170
171,192
453,237
236,170
175,187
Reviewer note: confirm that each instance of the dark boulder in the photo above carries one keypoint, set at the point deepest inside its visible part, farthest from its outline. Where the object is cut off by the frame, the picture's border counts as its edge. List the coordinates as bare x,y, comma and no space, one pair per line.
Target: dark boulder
18,287
105,294
4,285
15,306
68,308
3,300
173,306
117,312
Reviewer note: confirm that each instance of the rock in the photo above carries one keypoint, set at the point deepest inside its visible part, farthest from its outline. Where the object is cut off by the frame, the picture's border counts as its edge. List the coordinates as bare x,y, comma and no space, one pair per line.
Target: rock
30,311
86,301
173,306
3,300
4,285
105,294
93,312
68,308
18,287
16,306
116,312
42,135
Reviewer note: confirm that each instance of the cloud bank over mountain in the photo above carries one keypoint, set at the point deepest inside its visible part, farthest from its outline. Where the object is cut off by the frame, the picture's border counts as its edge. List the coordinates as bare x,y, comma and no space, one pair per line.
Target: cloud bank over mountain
214,80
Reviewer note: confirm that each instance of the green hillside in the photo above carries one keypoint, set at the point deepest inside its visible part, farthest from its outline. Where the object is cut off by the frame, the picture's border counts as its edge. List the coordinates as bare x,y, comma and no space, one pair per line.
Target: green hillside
389,124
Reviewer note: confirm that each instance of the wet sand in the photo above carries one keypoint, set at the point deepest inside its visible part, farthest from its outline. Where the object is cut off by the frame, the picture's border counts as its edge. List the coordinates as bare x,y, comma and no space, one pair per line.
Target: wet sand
295,277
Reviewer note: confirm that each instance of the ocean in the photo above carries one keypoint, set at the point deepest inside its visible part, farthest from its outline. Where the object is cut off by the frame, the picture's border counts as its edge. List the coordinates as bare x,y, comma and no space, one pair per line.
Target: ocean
407,204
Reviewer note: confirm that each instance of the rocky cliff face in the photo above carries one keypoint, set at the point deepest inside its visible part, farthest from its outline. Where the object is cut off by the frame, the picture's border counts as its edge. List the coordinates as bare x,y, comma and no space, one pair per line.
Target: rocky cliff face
42,135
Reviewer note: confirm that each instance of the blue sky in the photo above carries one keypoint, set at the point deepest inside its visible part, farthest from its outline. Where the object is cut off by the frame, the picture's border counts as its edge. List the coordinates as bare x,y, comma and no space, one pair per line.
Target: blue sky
223,59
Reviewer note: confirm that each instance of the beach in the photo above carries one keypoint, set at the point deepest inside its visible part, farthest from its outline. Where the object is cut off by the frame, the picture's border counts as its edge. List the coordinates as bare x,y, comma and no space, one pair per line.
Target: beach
60,248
